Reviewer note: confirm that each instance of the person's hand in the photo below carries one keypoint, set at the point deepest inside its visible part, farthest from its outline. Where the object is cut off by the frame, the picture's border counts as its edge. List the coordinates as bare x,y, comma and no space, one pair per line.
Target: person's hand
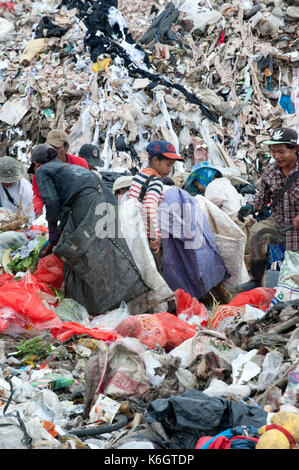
296,222
244,211
155,245
46,249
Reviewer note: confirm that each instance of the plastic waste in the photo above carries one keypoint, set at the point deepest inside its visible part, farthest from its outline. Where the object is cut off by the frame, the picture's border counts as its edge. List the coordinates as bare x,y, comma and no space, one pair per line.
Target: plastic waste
293,345
261,298
71,311
46,405
187,307
291,393
143,445
111,319
6,27
67,329
218,388
201,19
151,363
53,381
243,369
11,436
252,313
11,239
270,370
23,390
163,329
187,416
50,271
25,298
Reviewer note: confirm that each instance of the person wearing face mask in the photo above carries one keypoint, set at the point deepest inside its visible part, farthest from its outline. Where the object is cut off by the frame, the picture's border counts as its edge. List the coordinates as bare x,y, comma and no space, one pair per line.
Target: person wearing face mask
15,191
278,193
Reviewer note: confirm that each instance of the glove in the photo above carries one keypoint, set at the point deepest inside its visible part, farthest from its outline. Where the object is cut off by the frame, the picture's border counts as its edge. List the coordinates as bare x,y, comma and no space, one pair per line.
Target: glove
45,250
245,188
54,237
263,214
244,211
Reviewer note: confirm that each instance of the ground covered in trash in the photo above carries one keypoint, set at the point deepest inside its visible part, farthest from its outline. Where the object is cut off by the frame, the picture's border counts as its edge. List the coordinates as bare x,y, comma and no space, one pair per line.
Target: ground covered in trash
159,386
214,78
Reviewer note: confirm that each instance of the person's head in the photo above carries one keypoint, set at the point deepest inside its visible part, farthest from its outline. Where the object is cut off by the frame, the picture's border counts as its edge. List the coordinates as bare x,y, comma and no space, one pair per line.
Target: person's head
121,185
162,156
59,140
11,171
41,154
201,175
284,147
91,154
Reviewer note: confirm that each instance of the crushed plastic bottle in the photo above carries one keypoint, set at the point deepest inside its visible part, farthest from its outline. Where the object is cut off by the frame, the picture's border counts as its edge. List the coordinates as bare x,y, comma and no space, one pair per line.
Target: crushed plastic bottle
271,369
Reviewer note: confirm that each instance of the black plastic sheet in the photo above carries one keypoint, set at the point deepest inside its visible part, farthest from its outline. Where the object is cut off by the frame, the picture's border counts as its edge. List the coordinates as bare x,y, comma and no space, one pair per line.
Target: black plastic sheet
187,417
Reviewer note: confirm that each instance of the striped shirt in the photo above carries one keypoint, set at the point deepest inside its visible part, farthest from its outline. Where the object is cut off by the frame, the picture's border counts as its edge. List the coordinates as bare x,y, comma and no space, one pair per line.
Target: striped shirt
287,207
152,199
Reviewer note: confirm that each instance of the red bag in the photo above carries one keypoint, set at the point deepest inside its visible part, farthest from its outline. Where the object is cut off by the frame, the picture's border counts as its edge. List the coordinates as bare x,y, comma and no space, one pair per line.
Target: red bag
163,329
189,306
70,328
50,271
25,298
260,297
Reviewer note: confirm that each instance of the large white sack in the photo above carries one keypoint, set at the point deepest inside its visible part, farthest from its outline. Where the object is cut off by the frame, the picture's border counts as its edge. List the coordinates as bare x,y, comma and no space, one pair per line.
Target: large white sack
228,198
133,229
231,241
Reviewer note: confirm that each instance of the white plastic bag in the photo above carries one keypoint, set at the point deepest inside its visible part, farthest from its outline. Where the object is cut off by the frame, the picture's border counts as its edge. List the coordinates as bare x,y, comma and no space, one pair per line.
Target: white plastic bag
287,285
71,311
111,319
11,239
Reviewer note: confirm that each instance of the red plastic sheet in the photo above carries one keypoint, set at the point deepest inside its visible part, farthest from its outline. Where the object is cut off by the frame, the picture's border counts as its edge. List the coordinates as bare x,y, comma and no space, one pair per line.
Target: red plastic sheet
50,271
163,329
189,306
70,328
25,298
261,298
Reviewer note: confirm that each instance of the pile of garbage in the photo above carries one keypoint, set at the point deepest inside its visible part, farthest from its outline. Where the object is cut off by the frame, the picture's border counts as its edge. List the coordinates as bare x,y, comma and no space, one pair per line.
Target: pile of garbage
213,78
208,376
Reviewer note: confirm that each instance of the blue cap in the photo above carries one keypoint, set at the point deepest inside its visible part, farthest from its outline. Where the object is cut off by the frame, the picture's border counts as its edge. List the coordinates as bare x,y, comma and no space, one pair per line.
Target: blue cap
161,147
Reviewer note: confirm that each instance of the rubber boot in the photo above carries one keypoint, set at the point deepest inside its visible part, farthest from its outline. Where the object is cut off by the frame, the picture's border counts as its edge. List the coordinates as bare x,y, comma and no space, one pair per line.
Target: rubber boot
257,271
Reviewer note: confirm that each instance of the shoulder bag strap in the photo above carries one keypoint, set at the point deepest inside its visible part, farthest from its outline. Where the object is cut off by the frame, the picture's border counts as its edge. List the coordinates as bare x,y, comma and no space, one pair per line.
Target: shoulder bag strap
144,187
287,186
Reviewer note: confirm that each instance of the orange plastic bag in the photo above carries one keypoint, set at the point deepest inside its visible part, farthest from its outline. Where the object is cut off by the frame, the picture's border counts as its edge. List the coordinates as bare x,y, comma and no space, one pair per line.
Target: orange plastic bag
50,271
260,297
163,329
189,306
